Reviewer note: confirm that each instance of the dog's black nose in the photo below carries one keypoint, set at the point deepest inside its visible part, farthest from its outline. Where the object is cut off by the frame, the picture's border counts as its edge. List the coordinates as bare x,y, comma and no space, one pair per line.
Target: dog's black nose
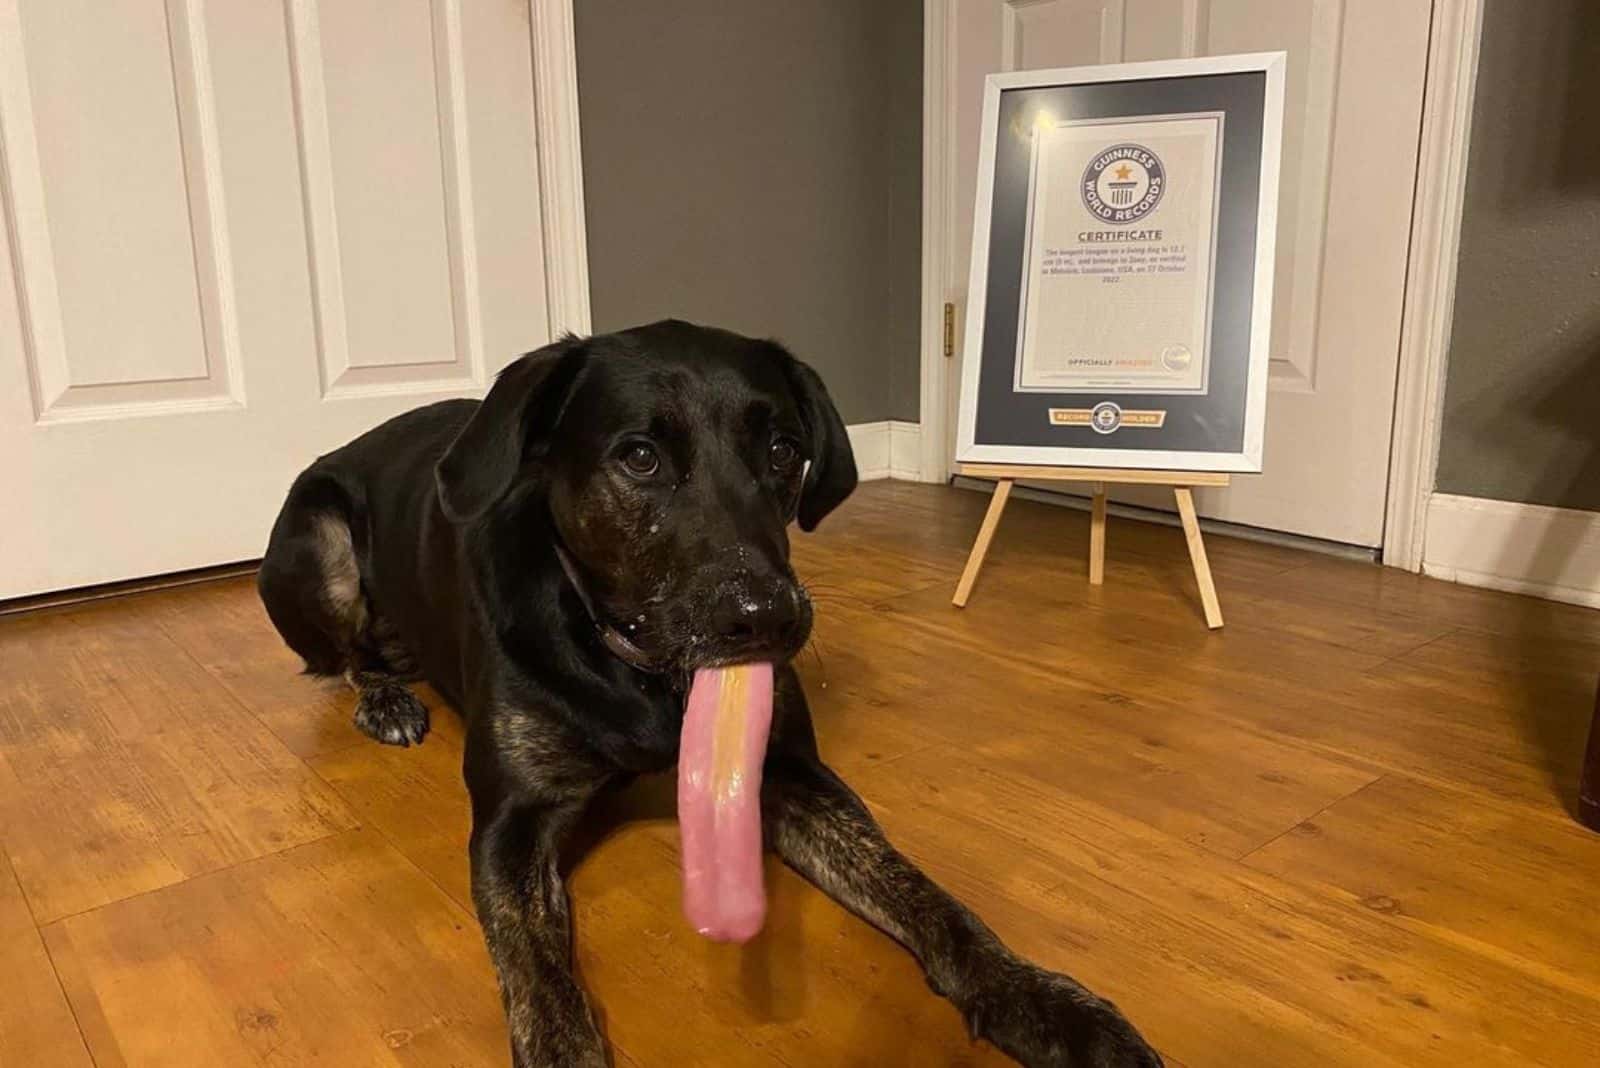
743,616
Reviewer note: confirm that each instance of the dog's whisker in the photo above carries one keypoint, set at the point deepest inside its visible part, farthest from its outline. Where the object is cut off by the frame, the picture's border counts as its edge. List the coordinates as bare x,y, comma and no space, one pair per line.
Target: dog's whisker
815,648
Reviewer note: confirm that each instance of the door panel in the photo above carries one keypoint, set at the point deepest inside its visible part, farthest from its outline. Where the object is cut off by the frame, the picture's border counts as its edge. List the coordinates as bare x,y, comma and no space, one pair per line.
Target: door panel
124,302
387,254
1055,33
236,236
1352,114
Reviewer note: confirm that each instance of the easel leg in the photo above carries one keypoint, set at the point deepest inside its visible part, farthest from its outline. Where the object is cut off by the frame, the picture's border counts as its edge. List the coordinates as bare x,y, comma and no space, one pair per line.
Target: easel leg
1197,556
1097,536
980,548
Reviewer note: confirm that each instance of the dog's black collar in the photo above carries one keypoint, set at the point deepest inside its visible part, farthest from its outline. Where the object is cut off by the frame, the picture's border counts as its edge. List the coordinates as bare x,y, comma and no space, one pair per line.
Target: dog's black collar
620,647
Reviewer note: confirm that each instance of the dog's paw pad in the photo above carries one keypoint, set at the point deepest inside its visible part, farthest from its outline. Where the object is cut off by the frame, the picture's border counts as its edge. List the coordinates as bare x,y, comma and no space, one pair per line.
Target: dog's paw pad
392,715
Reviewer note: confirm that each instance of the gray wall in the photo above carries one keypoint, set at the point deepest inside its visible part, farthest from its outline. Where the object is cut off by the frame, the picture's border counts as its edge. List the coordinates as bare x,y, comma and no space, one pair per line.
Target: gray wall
756,164
1522,394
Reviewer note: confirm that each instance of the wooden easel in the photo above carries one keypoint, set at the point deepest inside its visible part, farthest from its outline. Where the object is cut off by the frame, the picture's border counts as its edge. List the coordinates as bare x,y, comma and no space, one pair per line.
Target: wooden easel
1182,483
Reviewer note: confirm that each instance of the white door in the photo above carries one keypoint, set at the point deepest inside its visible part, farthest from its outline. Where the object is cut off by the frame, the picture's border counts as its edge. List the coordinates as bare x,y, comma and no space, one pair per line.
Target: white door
1351,122
235,236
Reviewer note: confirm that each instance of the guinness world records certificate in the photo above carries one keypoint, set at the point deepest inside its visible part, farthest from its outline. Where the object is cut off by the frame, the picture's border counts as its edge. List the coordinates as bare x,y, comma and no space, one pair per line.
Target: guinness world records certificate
1117,287
1122,263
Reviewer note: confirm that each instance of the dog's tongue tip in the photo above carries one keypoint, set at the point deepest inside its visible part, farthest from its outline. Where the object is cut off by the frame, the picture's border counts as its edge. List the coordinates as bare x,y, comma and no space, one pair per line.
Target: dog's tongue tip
736,927
725,724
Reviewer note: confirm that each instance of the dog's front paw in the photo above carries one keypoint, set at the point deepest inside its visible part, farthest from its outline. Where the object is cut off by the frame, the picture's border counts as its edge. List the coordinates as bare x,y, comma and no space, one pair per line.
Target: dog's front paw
1045,1020
391,714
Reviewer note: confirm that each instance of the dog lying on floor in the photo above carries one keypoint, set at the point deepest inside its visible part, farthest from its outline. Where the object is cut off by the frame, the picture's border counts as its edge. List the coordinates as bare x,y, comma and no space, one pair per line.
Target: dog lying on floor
566,562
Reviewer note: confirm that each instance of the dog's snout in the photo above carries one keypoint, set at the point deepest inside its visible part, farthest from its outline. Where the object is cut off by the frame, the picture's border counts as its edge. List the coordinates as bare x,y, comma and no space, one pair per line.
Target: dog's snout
767,613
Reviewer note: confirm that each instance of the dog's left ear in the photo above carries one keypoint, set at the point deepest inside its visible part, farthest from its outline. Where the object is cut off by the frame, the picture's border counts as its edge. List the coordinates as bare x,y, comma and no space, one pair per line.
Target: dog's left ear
832,475
508,428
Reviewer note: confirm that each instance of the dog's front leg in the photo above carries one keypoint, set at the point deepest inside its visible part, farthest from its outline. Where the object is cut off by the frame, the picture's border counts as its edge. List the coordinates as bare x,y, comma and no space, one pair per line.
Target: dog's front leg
1041,1018
522,905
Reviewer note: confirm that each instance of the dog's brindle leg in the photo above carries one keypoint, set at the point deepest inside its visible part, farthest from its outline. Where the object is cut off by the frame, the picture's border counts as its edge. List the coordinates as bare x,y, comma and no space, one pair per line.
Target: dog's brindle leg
518,825
822,830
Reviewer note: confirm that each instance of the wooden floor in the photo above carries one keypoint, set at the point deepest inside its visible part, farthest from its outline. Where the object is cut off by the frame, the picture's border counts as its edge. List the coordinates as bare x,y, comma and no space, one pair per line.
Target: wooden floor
1334,833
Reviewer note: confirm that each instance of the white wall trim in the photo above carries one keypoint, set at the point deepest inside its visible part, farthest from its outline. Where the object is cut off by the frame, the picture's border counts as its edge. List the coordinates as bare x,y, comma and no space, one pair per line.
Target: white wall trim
555,96
1524,548
938,216
905,451
887,449
1431,277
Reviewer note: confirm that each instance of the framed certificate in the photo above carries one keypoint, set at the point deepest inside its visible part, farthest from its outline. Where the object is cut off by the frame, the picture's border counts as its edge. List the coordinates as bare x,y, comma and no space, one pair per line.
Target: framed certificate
1121,287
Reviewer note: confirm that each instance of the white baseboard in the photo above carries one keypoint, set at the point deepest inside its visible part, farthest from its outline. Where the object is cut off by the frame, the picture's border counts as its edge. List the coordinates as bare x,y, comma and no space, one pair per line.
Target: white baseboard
1522,548
905,451
887,449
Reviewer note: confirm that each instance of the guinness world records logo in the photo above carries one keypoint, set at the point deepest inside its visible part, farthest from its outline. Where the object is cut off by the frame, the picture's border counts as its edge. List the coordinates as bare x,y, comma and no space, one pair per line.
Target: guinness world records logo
1123,184
1105,417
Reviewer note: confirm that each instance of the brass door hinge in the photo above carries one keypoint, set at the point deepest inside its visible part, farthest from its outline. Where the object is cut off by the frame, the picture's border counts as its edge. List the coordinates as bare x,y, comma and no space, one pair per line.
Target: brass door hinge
949,330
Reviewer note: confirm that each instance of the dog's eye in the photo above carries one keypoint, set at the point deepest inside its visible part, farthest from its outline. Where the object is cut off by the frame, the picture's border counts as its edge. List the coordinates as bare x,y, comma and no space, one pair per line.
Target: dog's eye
641,460
785,456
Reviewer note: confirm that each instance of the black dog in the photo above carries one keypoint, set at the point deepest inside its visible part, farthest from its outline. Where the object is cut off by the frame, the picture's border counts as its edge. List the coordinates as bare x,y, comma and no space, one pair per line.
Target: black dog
555,561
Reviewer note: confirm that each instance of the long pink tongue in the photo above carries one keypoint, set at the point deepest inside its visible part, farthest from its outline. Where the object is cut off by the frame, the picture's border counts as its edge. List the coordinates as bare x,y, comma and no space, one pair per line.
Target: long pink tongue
719,799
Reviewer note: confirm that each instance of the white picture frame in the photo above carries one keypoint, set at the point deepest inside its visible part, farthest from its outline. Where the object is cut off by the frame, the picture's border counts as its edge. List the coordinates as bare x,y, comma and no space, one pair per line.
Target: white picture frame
1247,456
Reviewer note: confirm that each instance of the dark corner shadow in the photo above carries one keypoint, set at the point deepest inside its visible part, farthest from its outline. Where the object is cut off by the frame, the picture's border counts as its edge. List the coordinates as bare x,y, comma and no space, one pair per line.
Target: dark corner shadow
1534,417
1578,163
1557,683
1571,402
1548,54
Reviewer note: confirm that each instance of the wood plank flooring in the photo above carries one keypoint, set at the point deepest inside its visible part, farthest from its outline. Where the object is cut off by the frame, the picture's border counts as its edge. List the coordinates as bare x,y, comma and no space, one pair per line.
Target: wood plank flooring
1335,833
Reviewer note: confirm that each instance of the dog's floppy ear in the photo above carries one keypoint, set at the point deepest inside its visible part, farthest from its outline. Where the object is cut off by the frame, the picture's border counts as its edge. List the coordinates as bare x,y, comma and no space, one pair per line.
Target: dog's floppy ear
480,465
832,475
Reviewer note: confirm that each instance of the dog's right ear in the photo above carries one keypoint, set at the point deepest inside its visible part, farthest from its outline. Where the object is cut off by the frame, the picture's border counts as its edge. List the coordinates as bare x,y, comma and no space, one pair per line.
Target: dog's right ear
511,424
832,474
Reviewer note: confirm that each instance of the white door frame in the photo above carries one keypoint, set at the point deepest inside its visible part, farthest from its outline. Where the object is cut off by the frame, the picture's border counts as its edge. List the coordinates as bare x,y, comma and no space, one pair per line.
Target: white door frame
939,221
555,99
1431,276
1430,273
